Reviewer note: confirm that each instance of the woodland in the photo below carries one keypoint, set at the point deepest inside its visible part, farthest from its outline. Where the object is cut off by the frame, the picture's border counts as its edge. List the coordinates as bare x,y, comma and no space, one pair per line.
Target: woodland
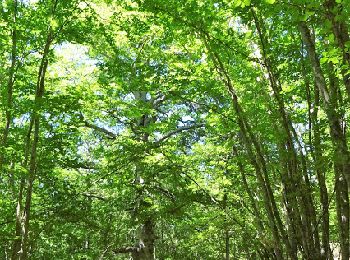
177,129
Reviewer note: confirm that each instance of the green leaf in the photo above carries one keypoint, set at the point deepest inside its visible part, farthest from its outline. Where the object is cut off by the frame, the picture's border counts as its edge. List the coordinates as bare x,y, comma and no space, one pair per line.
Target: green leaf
324,60
334,60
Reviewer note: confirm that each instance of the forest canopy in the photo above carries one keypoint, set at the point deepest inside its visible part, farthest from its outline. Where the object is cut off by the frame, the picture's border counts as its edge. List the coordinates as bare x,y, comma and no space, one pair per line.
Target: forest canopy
178,129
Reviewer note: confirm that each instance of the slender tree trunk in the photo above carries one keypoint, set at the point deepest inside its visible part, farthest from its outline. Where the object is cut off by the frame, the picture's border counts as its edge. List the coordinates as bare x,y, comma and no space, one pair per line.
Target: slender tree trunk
320,165
33,156
318,160
9,105
16,248
226,228
258,161
11,80
27,205
227,244
341,35
31,145
338,136
299,201
258,217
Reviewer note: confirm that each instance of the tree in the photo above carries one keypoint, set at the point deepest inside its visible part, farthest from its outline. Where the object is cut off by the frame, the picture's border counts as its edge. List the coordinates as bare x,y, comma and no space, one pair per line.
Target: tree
174,130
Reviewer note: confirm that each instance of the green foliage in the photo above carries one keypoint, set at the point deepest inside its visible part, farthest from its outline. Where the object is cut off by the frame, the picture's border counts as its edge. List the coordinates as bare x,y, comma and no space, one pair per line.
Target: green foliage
167,112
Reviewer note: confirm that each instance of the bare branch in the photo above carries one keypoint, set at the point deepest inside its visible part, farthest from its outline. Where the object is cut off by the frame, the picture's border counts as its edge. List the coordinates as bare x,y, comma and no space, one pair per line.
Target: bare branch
109,134
125,250
178,130
94,196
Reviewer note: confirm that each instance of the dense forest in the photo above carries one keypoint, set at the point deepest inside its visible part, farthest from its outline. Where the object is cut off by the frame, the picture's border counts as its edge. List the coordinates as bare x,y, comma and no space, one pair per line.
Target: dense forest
177,129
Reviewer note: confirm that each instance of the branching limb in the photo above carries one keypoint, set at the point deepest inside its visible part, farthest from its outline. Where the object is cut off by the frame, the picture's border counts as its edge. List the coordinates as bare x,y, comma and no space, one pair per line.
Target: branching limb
109,134
106,132
178,130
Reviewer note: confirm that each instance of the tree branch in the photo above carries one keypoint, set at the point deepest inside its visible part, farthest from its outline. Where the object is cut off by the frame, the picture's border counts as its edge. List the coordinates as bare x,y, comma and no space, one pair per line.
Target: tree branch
125,250
178,130
93,196
109,134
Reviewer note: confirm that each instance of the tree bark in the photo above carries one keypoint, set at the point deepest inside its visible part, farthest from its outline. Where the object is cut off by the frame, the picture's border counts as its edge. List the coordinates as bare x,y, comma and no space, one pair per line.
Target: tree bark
145,249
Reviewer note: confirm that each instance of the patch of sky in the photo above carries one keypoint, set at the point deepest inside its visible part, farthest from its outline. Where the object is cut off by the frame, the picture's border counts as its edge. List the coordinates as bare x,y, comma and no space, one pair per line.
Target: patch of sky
300,129
235,23
184,120
75,53
22,120
29,2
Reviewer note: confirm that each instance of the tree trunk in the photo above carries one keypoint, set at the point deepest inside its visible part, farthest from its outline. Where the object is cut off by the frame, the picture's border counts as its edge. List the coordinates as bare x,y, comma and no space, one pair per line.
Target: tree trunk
226,228
145,250
31,145
258,217
320,165
298,196
341,35
257,160
10,82
339,140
